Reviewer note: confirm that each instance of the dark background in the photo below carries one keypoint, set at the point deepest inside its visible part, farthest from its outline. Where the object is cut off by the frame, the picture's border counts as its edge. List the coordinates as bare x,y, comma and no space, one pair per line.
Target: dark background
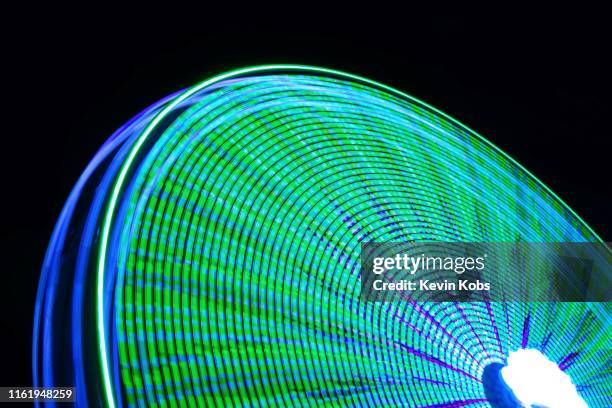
534,82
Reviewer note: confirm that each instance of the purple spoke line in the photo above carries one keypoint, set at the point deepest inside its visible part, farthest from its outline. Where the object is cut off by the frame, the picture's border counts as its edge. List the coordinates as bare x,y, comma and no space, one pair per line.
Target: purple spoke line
579,327
379,340
420,332
420,354
568,360
457,404
494,324
373,342
429,317
507,318
436,361
545,342
472,329
526,328
416,329
430,380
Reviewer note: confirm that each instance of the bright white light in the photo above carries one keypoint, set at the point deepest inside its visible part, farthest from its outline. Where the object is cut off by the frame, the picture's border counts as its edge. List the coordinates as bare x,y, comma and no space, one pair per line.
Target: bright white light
535,380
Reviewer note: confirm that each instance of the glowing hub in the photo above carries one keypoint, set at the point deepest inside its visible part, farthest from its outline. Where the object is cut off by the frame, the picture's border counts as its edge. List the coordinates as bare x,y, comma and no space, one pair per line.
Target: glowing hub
535,380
